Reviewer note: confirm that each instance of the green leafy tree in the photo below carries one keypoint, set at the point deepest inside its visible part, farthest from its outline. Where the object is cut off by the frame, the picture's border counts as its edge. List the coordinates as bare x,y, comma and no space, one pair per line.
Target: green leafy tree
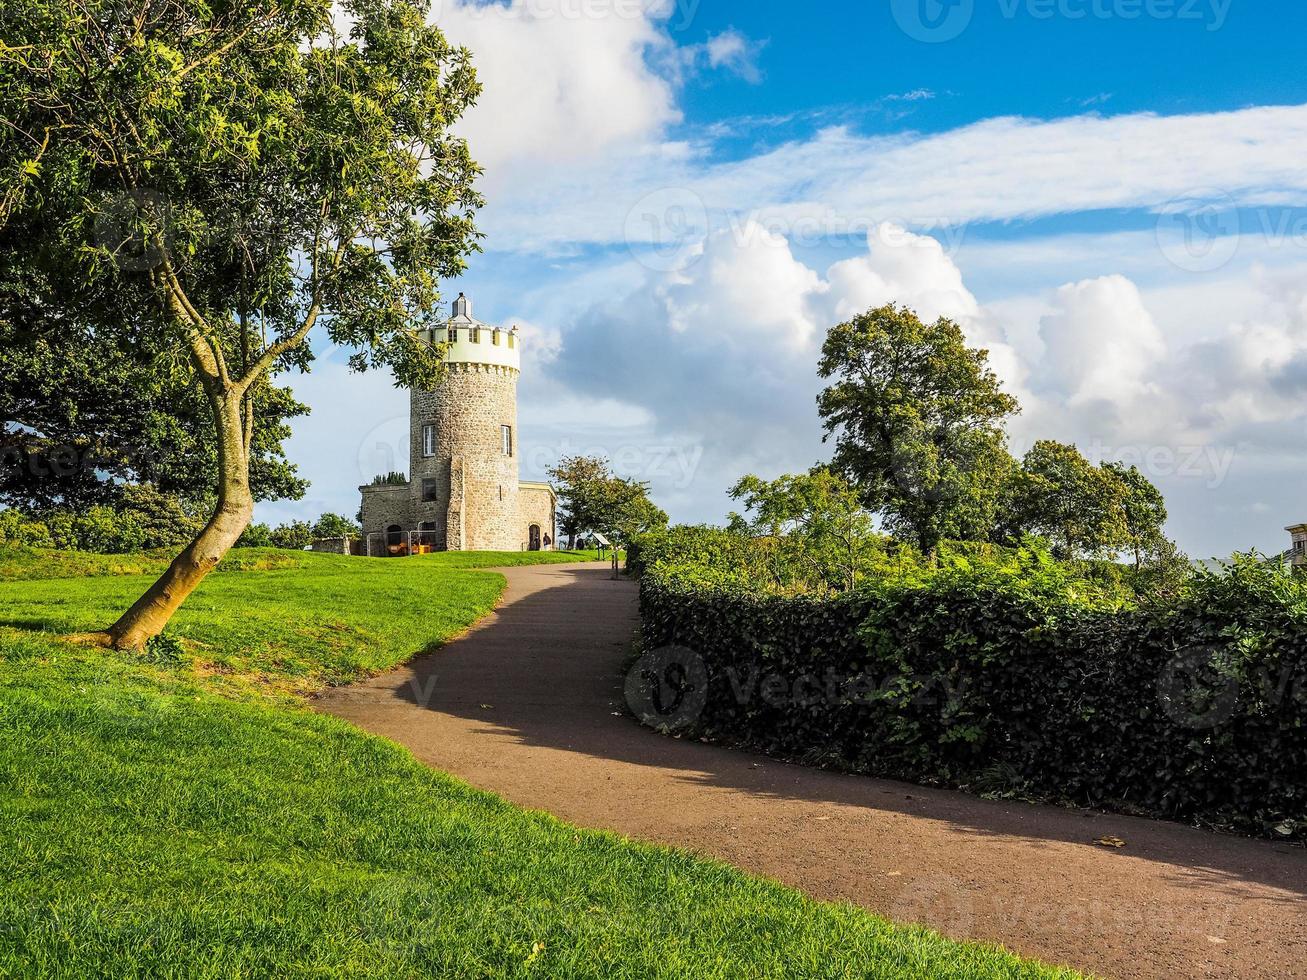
917,417
334,526
1060,495
821,531
297,535
575,479
1143,515
1087,510
593,499
81,415
255,536
218,181
621,509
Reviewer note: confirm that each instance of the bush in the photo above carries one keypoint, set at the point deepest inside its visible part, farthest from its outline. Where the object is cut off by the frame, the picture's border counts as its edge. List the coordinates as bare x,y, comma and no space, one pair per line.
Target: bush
255,536
714,557
1012,682
296,535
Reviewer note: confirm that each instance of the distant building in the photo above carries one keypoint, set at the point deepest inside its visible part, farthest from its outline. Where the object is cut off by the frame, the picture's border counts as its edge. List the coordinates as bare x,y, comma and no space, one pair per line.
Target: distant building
463,492
1298,551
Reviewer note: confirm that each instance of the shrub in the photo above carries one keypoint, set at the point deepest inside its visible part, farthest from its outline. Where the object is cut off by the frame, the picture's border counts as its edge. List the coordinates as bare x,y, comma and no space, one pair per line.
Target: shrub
1014,681
17,528
334,526
255,536
296,535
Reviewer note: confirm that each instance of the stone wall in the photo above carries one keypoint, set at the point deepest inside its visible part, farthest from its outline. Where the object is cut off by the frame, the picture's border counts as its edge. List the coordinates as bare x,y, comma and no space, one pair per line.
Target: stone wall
536,506
384,505
468,409
333,546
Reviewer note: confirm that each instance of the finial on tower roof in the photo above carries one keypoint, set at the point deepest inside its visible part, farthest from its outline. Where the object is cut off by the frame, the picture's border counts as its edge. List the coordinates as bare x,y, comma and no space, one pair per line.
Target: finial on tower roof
463,306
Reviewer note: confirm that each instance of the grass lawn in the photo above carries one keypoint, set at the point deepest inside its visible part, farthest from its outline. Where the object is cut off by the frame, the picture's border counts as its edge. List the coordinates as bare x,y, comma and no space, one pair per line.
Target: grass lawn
184,816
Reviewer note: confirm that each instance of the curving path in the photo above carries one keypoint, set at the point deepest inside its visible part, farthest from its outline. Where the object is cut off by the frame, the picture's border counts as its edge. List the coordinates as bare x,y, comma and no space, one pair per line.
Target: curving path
528,705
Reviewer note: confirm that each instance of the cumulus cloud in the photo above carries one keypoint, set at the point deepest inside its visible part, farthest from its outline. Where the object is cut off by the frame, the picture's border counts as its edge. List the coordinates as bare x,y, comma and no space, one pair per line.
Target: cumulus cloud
561,82
723,351
1101,343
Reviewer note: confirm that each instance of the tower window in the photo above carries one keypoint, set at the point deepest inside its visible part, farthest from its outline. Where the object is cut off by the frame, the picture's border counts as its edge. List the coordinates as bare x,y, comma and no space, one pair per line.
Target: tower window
506,435
428,491
476,335
428,440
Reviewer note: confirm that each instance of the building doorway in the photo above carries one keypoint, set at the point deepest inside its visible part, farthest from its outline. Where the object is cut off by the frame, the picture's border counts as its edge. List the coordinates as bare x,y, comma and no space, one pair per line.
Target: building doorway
533,538
395,543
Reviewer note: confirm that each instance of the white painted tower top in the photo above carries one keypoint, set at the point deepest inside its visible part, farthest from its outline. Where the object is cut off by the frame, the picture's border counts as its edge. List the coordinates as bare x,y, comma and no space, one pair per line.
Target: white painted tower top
473,342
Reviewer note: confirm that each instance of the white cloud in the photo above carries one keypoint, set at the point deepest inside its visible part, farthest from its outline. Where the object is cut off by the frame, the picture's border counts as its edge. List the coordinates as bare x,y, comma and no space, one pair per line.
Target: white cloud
1003,169
737,54
1101,343
561,83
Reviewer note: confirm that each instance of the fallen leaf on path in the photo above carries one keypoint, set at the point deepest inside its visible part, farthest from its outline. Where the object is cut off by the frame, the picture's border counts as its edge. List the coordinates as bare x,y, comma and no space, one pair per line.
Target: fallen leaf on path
1109,841
1216,939
487,706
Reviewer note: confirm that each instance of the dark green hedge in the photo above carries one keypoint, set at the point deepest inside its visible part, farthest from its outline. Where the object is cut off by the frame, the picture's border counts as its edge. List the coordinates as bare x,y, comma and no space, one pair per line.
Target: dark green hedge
1197,713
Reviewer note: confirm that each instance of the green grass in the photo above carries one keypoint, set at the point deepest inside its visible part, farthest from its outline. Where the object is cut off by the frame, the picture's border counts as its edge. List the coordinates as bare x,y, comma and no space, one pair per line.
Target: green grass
192,819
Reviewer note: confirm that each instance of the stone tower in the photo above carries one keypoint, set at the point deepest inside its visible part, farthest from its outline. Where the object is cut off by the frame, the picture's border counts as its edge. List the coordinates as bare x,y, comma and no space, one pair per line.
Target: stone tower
462,439
463,492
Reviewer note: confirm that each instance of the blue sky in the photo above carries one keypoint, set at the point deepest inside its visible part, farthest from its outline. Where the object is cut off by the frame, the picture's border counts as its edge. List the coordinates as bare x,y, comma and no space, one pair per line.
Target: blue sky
1106,194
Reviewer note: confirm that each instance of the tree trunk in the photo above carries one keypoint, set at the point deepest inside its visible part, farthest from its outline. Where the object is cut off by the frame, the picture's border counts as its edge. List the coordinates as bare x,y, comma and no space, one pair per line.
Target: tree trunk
151,612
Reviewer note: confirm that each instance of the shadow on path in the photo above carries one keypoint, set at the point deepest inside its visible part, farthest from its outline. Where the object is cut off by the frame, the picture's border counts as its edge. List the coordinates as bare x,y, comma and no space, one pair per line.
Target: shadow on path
529,705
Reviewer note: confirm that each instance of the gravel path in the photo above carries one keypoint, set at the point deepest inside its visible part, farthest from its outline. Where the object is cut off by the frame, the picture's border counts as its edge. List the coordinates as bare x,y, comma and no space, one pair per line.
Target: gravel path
528,705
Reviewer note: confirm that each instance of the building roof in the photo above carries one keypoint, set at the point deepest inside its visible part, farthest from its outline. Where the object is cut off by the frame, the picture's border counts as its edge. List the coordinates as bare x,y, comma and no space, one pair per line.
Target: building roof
536,485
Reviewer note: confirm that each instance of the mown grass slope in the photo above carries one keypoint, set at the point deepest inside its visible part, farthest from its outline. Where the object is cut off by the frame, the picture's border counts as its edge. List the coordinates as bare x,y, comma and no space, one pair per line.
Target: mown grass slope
179,813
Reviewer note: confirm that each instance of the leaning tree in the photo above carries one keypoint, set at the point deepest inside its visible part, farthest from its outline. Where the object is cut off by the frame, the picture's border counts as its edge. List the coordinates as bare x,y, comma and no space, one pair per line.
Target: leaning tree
217,181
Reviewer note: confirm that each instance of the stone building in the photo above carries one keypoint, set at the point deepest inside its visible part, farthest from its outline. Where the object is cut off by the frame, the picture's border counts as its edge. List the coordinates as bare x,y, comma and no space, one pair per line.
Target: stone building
463,491
1298,549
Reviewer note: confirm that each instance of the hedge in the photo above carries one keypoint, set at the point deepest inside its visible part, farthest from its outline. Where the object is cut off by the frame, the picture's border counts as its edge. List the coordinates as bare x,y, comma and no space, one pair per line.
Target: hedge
1195,713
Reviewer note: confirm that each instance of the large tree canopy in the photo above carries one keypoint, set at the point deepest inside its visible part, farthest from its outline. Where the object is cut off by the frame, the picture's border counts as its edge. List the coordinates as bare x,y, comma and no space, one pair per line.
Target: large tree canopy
593,499
210,183
917,417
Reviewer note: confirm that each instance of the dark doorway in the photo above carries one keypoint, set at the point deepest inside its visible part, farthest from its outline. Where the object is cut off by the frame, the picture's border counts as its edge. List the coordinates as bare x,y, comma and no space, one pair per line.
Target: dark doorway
533,538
